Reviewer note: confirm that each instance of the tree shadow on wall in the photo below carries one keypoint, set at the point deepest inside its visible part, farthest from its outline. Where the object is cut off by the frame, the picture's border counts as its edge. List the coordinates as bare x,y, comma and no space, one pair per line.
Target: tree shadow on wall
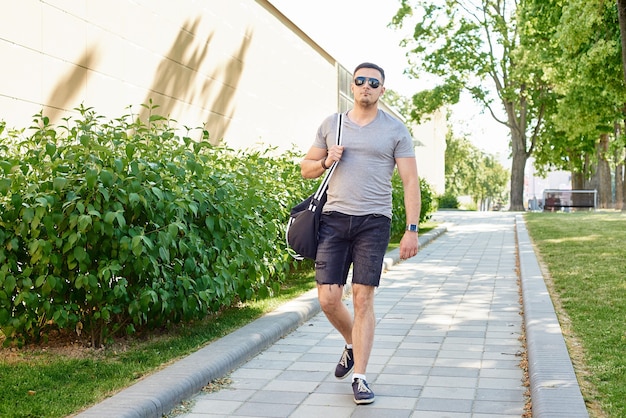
175,81
70,86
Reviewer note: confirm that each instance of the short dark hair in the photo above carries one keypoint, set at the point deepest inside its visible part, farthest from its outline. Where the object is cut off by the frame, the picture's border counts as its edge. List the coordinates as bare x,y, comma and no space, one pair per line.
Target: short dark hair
372,66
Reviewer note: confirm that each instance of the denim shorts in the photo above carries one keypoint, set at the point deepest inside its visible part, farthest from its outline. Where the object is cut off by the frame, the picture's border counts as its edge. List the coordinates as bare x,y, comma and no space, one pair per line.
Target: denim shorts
360,241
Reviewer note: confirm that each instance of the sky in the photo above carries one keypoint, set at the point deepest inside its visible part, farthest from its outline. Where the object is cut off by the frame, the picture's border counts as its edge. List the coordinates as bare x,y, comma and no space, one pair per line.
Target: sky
354,31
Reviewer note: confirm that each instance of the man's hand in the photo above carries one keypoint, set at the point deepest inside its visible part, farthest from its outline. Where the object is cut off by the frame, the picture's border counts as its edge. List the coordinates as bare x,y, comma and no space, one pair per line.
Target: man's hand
409,245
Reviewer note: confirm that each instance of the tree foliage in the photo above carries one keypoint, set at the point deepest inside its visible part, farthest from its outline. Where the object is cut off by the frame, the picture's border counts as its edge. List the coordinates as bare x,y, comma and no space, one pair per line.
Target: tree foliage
472,47
578,44
469,171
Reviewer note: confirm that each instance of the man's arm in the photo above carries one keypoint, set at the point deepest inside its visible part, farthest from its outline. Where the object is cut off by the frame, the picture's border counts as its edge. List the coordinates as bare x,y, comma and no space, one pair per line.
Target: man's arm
318,160
407,168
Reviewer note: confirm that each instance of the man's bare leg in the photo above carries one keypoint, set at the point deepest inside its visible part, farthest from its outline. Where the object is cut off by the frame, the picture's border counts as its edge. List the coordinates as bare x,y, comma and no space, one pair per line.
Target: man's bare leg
330,297
364,326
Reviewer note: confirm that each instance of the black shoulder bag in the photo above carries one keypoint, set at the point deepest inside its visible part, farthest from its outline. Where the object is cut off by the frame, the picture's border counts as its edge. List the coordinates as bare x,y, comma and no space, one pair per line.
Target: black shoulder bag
302,231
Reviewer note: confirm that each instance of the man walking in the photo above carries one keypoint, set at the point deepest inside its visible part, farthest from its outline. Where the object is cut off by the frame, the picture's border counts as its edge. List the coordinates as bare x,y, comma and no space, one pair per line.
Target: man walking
356,221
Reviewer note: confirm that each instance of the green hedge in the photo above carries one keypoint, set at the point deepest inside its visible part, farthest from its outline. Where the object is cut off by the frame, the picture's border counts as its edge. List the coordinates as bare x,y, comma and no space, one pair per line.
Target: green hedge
110,227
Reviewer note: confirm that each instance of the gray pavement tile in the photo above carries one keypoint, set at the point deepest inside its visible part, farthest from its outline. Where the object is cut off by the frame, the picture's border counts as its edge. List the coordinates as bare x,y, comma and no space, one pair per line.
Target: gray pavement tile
272,396
257,409
451,382
391,402
317,411
401,379
455,371
410,391
367,412
247,383
444,405
440,414
226,394
303,375
448,392
506,395
498,407
305,386
390,370
340,399
255,373
495,383
217,406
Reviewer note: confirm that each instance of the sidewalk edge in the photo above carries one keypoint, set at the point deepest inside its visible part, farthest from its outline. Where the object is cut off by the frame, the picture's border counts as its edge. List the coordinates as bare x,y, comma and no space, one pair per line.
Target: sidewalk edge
553,385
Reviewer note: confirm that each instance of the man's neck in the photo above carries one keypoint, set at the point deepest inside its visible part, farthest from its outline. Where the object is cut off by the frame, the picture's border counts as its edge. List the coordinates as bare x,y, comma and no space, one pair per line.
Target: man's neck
363,115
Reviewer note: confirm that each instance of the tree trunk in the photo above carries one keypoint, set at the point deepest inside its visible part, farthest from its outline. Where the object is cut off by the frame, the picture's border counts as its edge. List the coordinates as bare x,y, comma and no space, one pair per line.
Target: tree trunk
624,190
621,15
518,166
578,181
604,174
619,186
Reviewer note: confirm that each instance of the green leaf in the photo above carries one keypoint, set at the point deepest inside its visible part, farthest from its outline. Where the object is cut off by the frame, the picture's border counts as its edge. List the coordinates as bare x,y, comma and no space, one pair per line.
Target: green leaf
91,176
59,183
5,186
121,221
106,177
84,221
51,281
157,192
51,149
209,221
80,254
4,317
172,230
136,246
164,254
134,199
109,217
119,165
130,150
9,284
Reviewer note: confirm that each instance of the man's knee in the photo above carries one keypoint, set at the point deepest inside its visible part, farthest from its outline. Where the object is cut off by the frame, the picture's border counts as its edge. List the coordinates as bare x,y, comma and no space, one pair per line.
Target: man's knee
363,296
329,296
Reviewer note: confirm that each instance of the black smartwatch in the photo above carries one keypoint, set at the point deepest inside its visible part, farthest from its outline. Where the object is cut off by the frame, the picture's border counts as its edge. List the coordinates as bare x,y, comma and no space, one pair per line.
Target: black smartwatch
413,227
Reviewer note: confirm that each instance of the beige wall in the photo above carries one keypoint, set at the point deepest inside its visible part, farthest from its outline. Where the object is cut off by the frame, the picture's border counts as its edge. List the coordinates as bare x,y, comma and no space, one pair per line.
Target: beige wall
231,65
240,68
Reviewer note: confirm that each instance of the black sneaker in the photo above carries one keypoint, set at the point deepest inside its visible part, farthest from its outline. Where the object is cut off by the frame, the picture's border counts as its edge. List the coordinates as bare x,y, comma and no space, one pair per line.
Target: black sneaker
345,365
362,393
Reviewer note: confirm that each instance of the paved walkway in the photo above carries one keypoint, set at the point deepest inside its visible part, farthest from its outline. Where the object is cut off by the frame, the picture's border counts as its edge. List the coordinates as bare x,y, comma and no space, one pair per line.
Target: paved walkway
447,345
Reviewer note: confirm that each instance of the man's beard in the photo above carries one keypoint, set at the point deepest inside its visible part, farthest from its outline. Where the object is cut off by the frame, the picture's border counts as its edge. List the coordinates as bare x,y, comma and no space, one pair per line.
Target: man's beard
368,101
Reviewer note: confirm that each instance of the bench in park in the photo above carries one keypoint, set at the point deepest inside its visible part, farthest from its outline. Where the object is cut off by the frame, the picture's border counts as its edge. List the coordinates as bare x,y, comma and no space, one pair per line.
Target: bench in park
556,199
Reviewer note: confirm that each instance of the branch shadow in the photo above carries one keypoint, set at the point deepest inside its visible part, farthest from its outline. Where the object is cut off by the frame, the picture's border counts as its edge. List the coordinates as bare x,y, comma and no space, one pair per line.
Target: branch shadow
69,87
178,73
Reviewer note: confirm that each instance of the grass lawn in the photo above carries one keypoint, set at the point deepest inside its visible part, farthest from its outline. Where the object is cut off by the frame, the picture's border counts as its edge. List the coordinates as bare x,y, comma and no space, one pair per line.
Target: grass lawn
585,254
62,377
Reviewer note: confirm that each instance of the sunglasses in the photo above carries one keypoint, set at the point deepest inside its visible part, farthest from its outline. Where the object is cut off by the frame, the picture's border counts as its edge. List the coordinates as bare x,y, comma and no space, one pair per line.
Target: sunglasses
373,82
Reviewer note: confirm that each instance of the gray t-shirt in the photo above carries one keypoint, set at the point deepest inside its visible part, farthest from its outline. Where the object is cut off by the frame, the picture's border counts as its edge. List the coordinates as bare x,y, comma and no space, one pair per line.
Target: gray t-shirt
361,184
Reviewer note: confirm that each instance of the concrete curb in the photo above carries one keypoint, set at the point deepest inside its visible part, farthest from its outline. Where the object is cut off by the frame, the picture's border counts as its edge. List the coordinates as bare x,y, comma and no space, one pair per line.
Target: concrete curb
159,393
553,384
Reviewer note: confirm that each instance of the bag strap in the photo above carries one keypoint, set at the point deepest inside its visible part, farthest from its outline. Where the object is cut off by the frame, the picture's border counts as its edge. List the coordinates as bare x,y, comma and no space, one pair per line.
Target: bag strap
324,184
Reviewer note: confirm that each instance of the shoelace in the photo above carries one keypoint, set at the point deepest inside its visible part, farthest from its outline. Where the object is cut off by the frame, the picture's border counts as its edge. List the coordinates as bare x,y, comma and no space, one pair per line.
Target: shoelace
362,387
344,358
